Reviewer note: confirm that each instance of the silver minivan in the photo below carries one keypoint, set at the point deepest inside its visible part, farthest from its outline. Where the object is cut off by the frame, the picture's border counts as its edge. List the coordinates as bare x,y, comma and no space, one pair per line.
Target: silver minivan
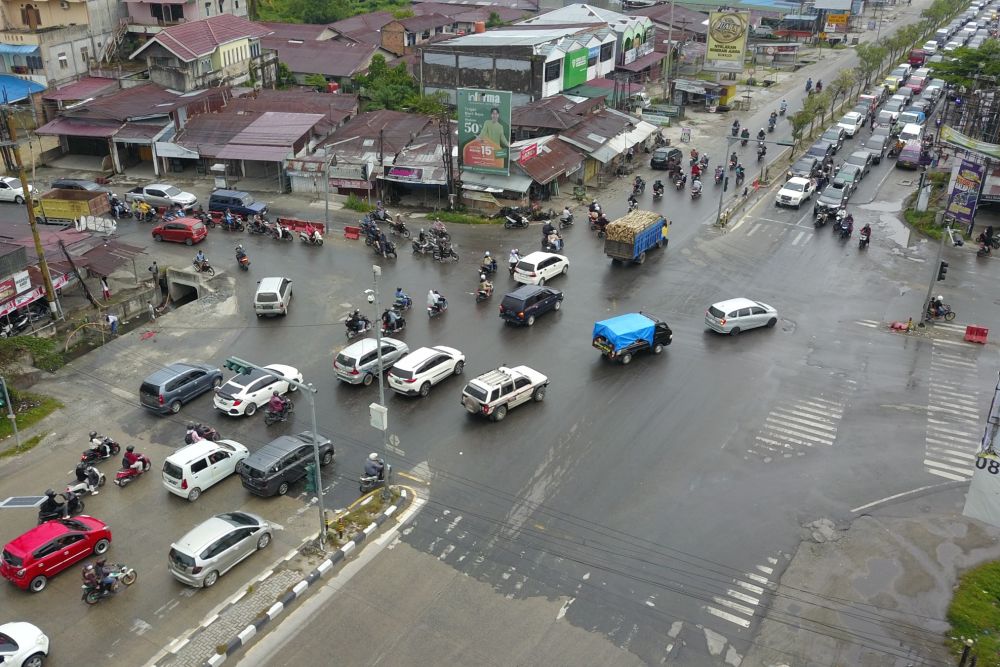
273,296
358,363
217,545
736,315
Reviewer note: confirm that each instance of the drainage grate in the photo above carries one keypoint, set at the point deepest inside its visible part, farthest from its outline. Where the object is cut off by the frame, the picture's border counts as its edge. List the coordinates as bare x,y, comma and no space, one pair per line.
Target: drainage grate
16,502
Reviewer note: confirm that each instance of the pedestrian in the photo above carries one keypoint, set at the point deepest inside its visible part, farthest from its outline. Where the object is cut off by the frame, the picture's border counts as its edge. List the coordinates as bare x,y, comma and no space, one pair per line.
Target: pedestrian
871,121
152,310
154,270
113,323
105,290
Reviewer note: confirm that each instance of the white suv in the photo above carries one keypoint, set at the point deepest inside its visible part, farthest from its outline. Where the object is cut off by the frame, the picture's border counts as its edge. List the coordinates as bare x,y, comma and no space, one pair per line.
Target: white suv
537,267
192,469
493,393
416,372
794,192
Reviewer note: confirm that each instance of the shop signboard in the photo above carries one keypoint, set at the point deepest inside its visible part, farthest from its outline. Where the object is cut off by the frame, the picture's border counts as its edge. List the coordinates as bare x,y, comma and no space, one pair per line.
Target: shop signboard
575,68
484,127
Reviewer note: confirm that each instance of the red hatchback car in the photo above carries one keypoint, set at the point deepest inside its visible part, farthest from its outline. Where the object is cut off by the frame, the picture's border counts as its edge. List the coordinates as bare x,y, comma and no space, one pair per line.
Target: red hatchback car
29,560
181,230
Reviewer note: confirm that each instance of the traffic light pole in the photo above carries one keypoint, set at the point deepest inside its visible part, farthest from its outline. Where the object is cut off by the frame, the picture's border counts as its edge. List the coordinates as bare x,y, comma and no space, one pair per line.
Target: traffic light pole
10,414
940,268
244,367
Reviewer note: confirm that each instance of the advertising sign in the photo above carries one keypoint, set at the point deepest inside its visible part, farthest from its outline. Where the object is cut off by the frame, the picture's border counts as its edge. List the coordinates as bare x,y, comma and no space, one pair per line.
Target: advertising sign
836,19
727,35
484,128
575,68
528,152
22,281
952,136
965,192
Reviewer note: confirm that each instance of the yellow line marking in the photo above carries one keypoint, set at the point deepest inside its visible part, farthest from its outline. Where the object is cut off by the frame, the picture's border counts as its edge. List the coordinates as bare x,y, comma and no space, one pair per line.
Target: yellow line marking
414,478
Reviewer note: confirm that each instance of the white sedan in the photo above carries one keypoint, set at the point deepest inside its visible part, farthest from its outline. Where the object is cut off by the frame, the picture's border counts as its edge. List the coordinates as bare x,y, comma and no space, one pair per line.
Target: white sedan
416,372
851,122
11,190
536,268
22,645
794,192
243,394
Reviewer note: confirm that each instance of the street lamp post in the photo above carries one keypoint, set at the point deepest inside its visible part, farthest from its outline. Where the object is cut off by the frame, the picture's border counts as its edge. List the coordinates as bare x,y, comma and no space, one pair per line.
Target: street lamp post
329,162
382,423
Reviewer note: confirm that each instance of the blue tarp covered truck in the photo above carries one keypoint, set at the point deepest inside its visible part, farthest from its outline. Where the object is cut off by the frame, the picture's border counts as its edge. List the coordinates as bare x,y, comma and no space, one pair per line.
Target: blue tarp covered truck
629,237
620,338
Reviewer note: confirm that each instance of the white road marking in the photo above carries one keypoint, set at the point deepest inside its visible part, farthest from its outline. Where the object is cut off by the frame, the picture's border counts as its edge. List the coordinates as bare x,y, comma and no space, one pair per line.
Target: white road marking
871,324
798,237
941,466
726,602
726,616
753,229
948,475
896,496
750,587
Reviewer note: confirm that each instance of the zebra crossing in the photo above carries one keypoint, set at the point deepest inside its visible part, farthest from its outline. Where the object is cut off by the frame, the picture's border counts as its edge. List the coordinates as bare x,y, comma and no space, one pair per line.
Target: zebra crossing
791,430
954,422
740,602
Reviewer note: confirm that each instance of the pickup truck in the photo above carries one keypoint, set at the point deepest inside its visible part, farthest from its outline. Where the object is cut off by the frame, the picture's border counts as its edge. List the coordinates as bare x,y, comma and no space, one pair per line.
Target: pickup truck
161,194
630,236
620,338
495,392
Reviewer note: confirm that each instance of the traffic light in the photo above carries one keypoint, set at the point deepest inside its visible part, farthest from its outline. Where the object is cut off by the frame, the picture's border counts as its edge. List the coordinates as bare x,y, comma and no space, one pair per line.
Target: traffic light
238,366
943,269
311,485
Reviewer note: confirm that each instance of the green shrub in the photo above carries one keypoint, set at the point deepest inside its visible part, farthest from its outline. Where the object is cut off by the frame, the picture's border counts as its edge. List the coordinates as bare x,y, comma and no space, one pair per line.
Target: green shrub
356,203
974,614
44,351
464,218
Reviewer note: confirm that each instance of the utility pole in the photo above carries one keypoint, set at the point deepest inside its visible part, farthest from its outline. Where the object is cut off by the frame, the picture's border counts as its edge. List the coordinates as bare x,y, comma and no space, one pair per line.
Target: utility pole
50,292
380,413
670,53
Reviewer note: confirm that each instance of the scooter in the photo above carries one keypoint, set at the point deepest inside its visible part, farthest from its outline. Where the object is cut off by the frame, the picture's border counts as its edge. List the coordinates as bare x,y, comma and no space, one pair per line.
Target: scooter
441,254
244,261
399,328
695,194
282,233
82,487
389,249
272,417
203,267
719,175
632,205
94,593
370,482
402,303
71,506
125,476
398,228
822,217
255,227
316,238
680,181
488,269
96,454
353,332
483,294
208,433
657,194
423,248
948,314
514,220
437,309
565,221
863,241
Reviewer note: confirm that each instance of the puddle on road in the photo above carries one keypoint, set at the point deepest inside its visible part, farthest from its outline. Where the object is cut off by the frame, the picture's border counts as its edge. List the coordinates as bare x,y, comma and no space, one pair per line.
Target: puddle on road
889,225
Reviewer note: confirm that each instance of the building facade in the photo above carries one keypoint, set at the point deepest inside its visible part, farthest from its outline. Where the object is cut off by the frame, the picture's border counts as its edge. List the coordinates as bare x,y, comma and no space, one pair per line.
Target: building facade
151,17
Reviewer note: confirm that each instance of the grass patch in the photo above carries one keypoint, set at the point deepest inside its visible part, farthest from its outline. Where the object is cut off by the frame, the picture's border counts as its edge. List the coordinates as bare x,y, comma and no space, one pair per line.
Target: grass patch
27,445
974,613
925,222
356,203
359,517
29,409
44,351
464,218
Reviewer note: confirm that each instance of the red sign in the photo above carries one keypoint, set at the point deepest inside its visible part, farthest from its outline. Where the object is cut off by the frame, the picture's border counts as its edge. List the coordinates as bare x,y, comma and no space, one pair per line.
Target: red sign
7,289
351,183
528,152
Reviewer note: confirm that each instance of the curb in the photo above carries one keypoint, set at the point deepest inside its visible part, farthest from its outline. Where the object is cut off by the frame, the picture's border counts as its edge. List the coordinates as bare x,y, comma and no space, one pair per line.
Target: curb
243,637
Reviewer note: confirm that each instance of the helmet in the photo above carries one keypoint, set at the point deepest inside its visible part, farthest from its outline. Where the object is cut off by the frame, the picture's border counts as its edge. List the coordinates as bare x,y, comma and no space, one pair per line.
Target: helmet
486,254
275,393
50,493
93,434
373,457
100,563
482,276
191,426
940,298
130,448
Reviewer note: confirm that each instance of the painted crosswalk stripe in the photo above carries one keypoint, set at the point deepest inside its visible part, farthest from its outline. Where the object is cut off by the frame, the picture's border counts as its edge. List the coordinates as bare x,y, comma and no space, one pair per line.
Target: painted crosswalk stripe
871,324
801,431
805,418
798,434
753,588
725,615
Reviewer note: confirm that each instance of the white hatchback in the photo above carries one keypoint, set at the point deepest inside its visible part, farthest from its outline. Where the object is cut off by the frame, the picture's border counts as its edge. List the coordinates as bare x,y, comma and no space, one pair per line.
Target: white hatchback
736,315
11,190
194,468
426,366
243,394
536,268
22,645
851,122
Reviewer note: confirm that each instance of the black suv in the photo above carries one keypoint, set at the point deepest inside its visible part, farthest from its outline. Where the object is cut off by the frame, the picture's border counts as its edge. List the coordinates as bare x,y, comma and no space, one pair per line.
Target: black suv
270,470
836,135
833,198
240,203
822,150
526,303
806,166
662,155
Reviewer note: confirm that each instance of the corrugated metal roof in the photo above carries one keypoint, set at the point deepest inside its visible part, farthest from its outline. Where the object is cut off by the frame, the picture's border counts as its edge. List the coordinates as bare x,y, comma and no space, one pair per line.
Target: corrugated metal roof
643,62
554,158
85,88
276,128
327,57
139,131
195,39
262,153
15,89
77,128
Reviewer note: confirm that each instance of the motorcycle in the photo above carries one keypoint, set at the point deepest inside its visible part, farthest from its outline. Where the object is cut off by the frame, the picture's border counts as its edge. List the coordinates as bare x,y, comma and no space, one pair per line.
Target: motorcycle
82,487
695,192
119,209
823,216
490,268
389,249
740,176
638,187
272,417
863,241
203,267
243,260
552,243
398,328
948,315
679,182
381,215
402,303
440,254
282,233
71,506
14,323
94,593
565,221
125,476
770,125
354,331
235,225
423,248
719,175
761,152
371,482
984,250
258,227
316,238
782,109
844,229
398,228
514,220
439,232
657,194
483,294
632,205
438,308
96,452
207,433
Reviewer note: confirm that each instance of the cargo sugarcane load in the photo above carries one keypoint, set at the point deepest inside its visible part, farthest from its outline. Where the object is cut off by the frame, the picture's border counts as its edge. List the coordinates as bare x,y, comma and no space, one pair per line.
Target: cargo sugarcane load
629,237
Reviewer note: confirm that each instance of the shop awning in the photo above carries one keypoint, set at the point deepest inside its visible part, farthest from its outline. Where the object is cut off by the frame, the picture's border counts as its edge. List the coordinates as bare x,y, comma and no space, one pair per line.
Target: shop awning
139,133
553,160
515,182
260,153
77,128
18,49
695,87
642,63
619,144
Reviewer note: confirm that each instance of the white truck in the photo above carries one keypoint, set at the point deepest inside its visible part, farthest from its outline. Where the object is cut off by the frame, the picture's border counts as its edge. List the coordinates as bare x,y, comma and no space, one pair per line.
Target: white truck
495,392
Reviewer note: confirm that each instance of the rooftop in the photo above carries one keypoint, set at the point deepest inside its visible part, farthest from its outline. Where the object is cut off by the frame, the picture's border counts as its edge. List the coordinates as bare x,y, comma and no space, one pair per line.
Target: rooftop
302,31
552,159
583,14
426,21
360,136
556,112
679,16
85,88
363,28
597,129
517,36
192,40
326,57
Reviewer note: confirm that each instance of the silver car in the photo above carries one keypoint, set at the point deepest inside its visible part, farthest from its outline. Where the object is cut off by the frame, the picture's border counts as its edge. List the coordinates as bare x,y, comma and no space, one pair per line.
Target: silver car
736,315
216,546
358,363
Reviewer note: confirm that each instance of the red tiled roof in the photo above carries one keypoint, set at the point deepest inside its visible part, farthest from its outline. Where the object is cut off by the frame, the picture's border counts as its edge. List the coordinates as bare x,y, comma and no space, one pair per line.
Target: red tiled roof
189,41
85,88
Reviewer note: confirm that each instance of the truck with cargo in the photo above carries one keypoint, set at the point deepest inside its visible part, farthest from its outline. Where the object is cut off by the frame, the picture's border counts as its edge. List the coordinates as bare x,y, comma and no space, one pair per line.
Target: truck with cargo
64,207
629,237
620,338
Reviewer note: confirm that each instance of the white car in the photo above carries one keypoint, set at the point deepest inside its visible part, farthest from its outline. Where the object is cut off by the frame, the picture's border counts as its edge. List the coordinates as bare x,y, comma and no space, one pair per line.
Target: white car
195,467
735,315
536,268
851,122
794,192
22,645
930,47
11,190
243,394
426,366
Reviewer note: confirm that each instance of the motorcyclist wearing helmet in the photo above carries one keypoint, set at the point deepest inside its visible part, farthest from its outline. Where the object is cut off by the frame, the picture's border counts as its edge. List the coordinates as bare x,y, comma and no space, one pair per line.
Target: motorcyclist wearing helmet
390,320
240,252
937,305
435,301
52,504
100,444
374,466
276,404
513,259
736,127
356,321
485,286
133,460
488,265
192,435
761,135
402,298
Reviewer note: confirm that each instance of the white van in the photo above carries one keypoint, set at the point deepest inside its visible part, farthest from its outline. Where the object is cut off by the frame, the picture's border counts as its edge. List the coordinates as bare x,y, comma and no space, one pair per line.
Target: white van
273,296
192,469
911,132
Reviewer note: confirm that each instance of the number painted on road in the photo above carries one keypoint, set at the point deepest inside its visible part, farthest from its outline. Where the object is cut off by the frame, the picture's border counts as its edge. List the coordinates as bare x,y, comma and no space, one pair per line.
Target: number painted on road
991,466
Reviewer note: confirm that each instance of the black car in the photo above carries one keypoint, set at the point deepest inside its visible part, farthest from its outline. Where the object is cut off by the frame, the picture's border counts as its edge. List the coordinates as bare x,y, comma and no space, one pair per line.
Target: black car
833,197
862,159
270,470
836,136
239,203
822,150
78,184
527,302
806,166
877,145
661,156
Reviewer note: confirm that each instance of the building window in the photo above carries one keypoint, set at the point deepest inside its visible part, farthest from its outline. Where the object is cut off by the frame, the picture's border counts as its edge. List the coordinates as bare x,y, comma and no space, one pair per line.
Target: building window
236,4
208,8
30,16
63,61
607,50
255,49
206,65
552,70
592,59
85,54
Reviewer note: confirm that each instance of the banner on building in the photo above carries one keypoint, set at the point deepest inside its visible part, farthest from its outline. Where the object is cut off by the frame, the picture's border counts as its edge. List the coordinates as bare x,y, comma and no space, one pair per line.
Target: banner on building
965,186
950,135
575,68
484,129
727,36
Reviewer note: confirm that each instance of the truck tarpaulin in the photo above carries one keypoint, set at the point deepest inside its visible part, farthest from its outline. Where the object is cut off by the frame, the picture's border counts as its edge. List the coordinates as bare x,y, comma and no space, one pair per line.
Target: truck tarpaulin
625,329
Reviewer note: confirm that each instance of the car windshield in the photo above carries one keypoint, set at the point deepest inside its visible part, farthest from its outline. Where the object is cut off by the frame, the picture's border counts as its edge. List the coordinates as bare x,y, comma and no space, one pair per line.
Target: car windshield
345,361
795,187
831,195
831,135
803,165
172,470
849,120
859,160
907,118
11,559
893,105
171,191
526,266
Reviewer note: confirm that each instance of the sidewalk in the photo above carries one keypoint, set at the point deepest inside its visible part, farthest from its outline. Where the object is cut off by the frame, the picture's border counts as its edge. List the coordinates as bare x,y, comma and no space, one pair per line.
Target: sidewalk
874,592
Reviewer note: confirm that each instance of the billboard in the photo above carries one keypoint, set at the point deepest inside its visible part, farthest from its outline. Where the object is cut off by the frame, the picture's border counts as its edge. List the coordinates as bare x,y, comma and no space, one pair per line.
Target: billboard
966,183
575,68
727,35
484,129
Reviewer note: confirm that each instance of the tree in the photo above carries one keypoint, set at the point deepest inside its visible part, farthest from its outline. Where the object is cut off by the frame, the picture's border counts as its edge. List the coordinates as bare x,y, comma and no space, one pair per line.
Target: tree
401,13
429,105
385,87
870,57
285,77
494,20
317,81
842,85
305,11
800,120
967,65
816,104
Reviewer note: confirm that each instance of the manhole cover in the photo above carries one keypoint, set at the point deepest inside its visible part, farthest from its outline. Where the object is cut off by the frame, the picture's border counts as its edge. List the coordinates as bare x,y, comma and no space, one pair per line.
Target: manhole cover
906,182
